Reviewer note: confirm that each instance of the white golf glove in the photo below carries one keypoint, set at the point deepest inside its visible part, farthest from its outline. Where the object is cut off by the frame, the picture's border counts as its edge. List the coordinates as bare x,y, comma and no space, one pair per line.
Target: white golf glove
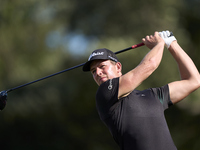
167,37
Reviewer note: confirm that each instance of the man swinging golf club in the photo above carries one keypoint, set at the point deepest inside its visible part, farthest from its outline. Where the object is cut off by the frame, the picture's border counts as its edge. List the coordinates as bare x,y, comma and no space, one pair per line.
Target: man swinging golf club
136,118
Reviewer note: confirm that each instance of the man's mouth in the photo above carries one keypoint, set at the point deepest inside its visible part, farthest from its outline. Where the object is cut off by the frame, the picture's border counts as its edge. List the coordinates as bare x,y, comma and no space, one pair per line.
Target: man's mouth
102,79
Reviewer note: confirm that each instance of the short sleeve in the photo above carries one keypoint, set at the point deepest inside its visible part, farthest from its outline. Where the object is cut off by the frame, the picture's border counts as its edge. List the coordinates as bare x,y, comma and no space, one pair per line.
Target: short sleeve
106,97
162,93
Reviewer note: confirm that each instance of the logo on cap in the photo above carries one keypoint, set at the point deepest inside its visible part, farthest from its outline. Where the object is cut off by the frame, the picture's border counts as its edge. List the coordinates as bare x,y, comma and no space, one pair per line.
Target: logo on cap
113,59
95,54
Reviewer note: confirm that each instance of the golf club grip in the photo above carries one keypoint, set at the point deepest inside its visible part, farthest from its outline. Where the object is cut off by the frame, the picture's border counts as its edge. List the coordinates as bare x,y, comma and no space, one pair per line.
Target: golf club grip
137,45
132,47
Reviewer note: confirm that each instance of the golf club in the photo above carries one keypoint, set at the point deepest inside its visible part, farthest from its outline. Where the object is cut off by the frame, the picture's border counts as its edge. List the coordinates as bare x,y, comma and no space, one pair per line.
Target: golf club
3,94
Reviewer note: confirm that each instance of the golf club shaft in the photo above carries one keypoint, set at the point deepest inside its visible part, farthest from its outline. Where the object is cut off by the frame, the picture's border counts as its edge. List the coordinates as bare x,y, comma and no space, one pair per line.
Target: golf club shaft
12,89
44,78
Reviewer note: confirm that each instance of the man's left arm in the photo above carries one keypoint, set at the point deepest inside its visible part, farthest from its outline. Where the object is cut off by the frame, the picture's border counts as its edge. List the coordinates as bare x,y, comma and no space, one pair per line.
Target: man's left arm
190,78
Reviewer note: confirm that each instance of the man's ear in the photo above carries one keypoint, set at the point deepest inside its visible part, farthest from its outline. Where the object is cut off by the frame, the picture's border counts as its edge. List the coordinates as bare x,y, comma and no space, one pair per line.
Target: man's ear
119,67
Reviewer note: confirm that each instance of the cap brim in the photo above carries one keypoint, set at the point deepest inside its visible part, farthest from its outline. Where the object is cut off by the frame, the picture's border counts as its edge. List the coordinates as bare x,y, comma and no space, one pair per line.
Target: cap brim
86,66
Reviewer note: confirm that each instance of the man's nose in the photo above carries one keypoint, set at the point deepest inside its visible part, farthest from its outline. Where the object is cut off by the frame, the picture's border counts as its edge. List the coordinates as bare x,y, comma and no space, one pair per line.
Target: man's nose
98,71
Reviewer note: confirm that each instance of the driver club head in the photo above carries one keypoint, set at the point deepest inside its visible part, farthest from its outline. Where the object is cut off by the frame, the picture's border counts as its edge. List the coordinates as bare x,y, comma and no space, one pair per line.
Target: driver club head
3,99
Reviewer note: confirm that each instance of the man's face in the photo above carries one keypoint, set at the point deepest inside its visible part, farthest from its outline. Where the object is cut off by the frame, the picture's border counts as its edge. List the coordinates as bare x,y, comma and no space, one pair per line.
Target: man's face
102,70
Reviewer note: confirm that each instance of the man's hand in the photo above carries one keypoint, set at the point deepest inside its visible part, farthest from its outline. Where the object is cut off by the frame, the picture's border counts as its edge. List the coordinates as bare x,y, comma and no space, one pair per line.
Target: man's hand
166,36
152,40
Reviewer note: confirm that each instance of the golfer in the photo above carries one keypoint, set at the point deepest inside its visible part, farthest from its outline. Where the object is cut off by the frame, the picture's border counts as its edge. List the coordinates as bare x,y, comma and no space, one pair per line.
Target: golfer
136,118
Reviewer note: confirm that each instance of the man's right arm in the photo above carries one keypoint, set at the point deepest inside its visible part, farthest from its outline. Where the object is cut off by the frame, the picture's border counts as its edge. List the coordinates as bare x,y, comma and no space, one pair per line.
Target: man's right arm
129,81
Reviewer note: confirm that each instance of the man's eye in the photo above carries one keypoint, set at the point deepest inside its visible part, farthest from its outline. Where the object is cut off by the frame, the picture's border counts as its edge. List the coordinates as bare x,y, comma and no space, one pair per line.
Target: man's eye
102,66
93,71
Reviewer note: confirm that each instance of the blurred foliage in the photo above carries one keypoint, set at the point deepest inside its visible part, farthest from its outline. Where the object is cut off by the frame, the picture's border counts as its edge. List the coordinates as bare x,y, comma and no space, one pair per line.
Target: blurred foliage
59,113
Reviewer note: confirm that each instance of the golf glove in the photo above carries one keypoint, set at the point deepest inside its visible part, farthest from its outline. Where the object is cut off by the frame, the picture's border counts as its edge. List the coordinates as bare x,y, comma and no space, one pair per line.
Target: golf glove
167,37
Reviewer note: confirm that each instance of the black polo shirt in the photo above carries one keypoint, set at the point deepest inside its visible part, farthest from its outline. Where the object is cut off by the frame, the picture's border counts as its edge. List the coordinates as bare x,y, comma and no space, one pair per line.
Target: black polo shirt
137,121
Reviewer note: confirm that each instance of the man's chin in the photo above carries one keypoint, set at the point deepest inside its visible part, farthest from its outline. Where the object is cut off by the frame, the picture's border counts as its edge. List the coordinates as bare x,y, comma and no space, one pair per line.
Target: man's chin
102,81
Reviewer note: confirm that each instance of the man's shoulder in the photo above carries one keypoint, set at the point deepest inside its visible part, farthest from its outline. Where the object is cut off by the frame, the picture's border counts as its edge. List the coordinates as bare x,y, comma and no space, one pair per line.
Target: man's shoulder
108,89
108,85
